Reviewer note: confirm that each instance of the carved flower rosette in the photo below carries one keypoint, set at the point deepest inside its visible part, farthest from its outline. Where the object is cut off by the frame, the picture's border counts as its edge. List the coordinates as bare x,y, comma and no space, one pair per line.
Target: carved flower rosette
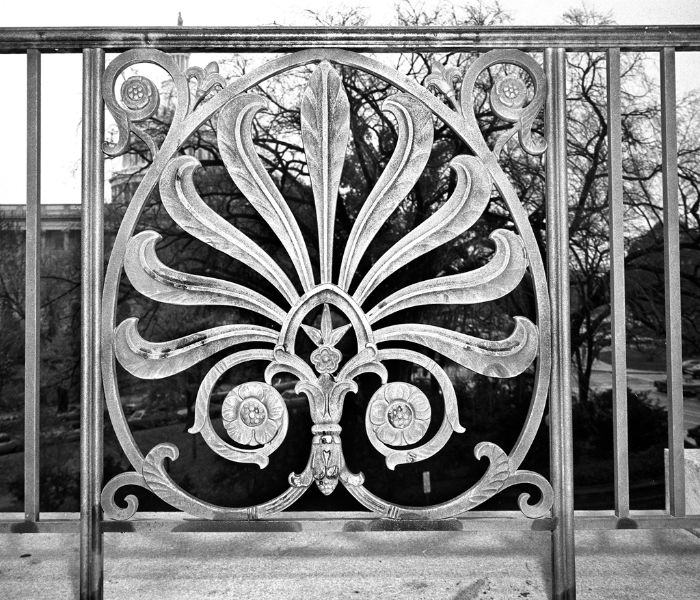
254,414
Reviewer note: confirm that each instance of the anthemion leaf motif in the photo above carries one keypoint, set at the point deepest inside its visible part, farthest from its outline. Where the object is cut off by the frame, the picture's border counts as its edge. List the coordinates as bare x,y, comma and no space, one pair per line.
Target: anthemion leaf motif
457,215
314,334
254,414
189,211
154,280
338,333
154,360
502,358
325,130
494,280
238,153
415,141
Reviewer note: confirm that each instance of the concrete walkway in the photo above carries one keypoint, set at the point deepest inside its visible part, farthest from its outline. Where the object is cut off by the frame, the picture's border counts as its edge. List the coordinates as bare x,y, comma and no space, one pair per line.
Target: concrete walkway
612,565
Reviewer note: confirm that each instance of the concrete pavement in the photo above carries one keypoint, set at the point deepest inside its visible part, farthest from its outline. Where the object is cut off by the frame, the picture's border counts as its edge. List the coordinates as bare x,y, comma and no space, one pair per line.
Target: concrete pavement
611,565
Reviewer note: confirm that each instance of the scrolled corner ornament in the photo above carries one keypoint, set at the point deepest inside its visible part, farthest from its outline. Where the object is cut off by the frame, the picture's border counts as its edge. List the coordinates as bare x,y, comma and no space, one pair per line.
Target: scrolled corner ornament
139,97
508,97
398,416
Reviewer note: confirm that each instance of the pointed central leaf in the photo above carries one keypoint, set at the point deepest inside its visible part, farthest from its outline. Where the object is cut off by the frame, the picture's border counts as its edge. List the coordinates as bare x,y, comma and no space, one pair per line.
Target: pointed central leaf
325,129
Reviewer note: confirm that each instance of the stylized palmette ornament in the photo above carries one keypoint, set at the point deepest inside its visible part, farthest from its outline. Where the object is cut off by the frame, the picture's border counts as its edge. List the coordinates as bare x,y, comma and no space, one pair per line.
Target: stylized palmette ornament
254,414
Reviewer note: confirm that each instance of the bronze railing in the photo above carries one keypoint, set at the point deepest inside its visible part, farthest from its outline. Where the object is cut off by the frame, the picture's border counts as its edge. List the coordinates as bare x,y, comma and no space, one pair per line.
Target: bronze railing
340,45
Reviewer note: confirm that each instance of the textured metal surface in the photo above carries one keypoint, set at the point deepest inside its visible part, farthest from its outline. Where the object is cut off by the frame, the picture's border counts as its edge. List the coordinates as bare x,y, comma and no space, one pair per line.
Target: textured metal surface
561,435
270,431
32,289
672,284
235,140
413,146
163,284
462,209
389,39
325,131
618,322
188,210
495,279
399,413
91,424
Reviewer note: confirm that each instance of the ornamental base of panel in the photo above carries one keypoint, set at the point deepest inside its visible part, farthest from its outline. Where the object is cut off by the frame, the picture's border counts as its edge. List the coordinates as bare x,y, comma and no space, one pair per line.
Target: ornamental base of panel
156,479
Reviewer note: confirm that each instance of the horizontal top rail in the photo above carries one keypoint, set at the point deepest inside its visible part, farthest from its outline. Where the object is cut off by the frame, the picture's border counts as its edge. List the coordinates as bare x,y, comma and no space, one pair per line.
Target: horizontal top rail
376,39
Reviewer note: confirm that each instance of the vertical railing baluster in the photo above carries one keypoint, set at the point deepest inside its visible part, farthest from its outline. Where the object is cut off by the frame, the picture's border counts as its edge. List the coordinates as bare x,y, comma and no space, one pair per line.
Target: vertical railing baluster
617,286
92,412
32,301
563,564
672,284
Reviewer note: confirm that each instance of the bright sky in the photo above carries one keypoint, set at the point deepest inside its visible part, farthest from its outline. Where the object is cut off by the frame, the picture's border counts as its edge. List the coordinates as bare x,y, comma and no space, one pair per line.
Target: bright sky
61,86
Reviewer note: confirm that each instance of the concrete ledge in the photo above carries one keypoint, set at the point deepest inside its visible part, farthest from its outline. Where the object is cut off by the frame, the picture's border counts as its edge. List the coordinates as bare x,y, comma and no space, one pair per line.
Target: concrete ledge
611,565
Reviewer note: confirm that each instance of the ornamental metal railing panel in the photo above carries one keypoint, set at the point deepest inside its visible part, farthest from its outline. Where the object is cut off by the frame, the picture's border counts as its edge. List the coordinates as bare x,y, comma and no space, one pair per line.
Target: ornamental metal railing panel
254,413
327,292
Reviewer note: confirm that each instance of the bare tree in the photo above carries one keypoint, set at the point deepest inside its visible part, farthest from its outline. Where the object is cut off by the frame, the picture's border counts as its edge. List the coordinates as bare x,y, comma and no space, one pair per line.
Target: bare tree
587,146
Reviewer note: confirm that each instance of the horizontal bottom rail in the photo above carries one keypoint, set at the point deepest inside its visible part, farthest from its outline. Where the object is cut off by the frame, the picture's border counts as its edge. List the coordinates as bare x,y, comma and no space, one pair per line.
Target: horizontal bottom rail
288,522
345,522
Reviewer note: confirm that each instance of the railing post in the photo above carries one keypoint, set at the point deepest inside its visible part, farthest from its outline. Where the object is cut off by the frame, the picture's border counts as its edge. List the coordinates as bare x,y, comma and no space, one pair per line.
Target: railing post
672,285
563,565
92,413
617,286
32,289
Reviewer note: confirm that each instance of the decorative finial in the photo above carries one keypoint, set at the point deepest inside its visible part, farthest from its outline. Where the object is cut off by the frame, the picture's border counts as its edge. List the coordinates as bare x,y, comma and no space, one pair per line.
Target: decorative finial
443,79
326,357
179,19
